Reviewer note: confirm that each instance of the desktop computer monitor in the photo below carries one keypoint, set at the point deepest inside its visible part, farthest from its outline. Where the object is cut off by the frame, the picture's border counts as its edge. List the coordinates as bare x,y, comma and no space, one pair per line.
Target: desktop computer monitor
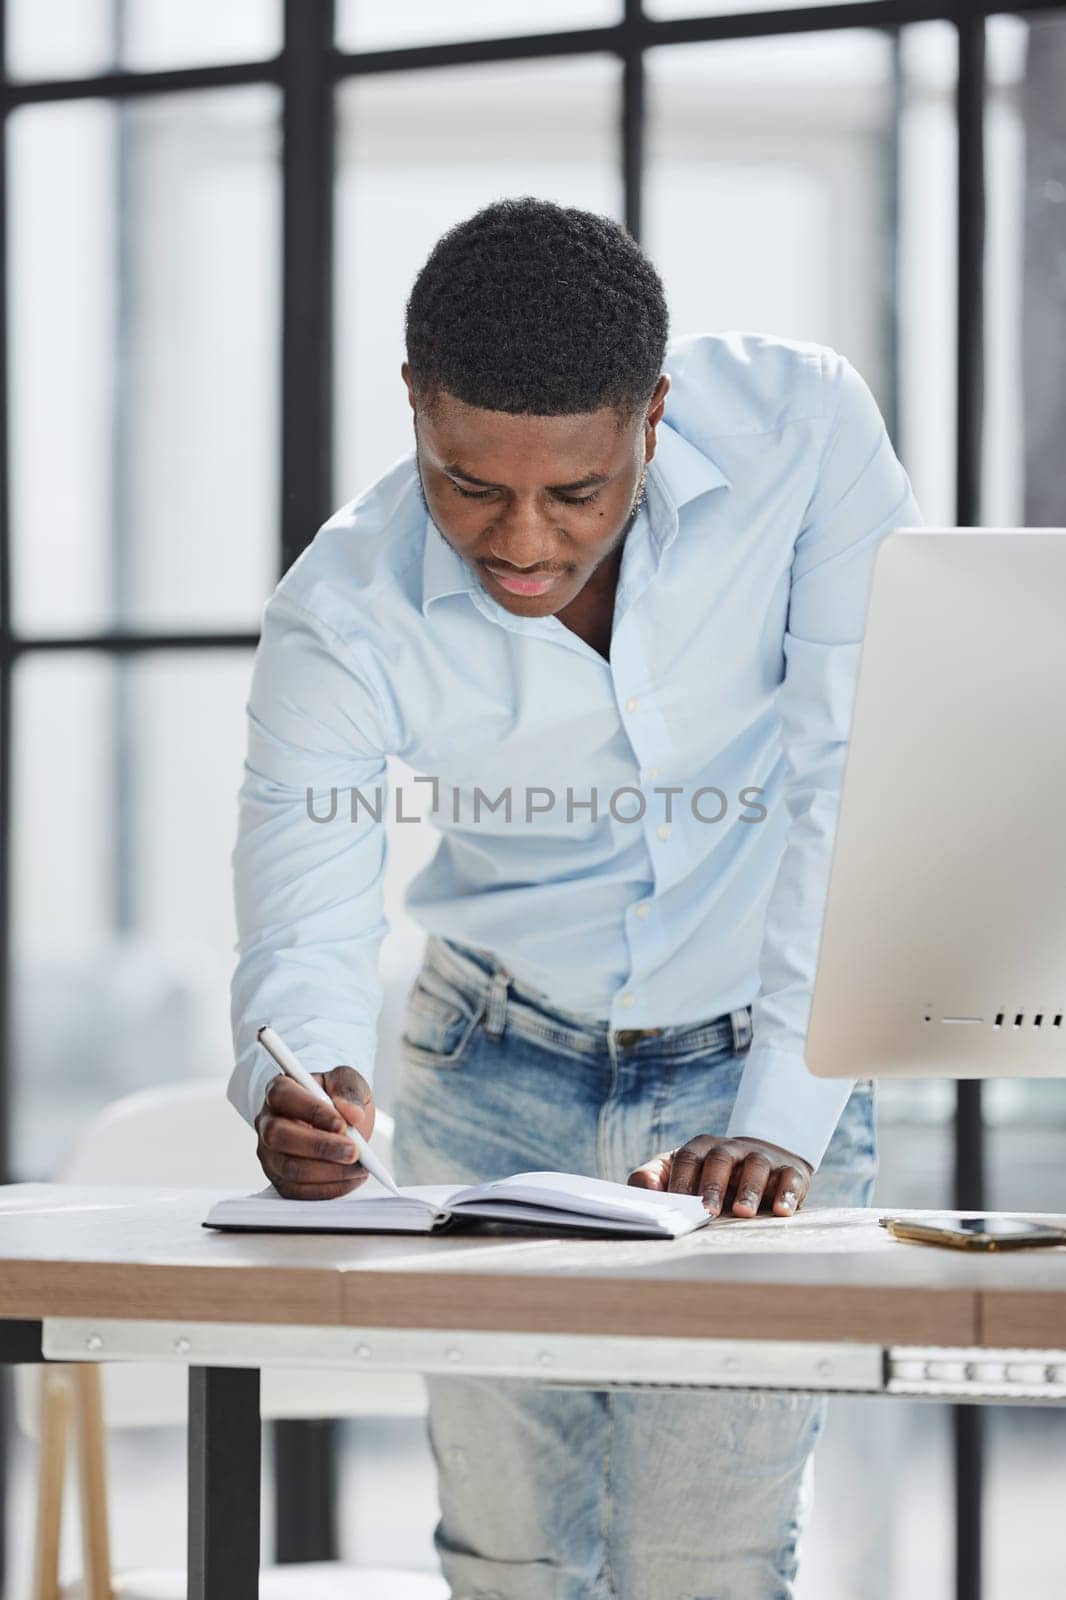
943,946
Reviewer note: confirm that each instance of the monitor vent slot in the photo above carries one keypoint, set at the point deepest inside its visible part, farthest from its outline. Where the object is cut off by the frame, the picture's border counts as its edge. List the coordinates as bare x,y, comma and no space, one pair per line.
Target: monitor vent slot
1018,1019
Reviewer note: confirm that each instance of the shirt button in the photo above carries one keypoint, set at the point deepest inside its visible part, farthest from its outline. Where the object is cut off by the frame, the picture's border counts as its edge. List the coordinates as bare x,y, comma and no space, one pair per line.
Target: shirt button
664,830
631,704
627,999
642,909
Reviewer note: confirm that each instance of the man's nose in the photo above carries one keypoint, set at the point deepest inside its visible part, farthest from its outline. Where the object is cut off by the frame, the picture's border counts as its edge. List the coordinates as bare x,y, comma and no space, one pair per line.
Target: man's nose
525,534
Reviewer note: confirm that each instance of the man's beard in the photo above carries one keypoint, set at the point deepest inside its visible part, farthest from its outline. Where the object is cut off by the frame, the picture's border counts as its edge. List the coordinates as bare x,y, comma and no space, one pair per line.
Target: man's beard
638,501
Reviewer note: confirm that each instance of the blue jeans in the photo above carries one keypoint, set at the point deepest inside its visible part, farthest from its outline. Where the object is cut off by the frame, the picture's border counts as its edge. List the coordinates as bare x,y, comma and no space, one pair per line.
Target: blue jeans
551,1494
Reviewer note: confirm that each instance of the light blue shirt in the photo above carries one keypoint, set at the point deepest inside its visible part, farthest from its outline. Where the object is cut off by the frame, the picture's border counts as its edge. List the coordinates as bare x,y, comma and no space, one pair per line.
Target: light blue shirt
736,639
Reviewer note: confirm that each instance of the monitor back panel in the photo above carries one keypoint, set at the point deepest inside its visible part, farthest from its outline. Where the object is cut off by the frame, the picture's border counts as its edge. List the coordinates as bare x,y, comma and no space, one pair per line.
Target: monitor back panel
943,949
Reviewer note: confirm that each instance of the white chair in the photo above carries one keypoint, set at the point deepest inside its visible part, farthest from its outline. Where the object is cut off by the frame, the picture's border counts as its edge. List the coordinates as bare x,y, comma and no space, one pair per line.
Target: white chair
206,1145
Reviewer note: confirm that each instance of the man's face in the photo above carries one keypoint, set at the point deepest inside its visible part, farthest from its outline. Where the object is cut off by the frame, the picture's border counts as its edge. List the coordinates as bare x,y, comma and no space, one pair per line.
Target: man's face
533,504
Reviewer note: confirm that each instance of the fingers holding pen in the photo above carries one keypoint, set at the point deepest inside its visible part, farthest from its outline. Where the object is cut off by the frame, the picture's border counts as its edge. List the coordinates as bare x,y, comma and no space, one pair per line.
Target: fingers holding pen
285,1098
286,1137
352,1097
304,1147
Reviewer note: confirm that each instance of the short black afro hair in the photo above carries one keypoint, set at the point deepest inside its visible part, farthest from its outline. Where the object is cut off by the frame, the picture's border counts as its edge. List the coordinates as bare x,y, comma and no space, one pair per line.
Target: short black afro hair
531,307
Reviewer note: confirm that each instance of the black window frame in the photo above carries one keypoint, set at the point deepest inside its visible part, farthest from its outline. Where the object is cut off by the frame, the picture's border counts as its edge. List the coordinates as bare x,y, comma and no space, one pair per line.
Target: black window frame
307,71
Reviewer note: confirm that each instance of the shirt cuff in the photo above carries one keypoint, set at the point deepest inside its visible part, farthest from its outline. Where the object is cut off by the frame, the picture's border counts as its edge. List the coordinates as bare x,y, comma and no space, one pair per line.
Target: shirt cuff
781,1102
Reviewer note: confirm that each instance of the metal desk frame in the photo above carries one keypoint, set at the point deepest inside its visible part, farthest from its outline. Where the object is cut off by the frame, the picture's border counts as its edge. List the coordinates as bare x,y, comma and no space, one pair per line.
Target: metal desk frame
225,1359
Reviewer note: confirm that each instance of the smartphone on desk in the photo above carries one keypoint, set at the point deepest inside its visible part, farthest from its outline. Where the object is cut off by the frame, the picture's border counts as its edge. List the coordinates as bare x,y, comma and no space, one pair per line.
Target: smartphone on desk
974,1233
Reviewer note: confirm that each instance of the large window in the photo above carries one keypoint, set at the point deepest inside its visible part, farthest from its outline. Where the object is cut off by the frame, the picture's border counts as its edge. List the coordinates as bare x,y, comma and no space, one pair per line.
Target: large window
212,215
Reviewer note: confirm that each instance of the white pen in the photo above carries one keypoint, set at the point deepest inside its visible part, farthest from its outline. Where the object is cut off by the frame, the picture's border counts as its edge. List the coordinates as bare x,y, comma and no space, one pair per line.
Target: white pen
275,1045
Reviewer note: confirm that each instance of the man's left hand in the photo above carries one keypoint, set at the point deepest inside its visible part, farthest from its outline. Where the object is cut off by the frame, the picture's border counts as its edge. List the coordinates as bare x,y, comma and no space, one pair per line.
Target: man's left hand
750,1173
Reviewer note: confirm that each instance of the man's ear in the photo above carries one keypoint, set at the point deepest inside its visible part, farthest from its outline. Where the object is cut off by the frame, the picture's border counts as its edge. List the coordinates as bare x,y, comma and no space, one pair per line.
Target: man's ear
657,403
656,407
405,373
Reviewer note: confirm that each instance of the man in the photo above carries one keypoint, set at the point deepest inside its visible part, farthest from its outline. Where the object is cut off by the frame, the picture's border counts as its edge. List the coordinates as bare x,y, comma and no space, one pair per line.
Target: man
610,611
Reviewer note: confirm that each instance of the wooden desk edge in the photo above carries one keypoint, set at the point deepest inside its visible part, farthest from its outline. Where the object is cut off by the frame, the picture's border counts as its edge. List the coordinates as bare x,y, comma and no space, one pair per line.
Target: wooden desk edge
138,1291
1024,1318
867,1315
519,1304
327,1297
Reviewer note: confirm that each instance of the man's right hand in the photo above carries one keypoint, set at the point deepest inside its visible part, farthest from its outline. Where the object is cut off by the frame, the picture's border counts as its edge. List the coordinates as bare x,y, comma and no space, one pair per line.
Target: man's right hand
303,1148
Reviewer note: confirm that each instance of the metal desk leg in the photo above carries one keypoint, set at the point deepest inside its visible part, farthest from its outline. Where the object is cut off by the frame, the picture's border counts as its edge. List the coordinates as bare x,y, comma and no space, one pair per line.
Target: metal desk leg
19,1342
305,1490
5,1446
224,1459
969,1430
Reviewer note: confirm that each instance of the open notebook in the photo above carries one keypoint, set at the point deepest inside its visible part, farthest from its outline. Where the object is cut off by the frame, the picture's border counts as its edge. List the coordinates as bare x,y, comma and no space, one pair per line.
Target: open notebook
552,1200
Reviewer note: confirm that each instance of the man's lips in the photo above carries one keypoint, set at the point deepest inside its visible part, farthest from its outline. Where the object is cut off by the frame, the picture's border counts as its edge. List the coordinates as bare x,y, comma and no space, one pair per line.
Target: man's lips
515,584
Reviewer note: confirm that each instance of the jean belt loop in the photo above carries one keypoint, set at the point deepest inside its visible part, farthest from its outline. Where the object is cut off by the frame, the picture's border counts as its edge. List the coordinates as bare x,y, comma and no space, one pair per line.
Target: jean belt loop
741,1021
496,1010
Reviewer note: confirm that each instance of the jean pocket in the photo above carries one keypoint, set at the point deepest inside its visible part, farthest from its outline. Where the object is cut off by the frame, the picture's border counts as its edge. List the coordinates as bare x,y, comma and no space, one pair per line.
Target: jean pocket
440,1022
858,1121
849,1167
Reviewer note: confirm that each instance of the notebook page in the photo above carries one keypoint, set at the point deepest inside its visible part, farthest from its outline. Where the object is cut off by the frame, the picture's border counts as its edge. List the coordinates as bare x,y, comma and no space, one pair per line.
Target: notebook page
587,1197
664,1225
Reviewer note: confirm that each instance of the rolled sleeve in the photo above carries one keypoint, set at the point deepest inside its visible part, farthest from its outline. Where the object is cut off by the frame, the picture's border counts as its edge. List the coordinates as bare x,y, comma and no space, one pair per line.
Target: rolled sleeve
862,493
307,873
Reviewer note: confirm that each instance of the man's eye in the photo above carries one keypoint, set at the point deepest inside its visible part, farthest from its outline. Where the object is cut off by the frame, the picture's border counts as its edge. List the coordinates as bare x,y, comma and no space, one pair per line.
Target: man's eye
565,499
473,494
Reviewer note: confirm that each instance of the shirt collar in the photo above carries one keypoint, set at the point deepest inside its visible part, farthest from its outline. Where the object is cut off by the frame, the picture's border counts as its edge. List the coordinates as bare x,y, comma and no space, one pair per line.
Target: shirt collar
679,472
443,572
